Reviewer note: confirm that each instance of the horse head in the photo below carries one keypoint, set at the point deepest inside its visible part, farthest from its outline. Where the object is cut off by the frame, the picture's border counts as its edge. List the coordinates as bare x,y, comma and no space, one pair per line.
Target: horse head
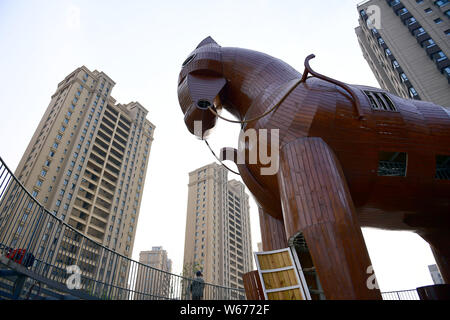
199,85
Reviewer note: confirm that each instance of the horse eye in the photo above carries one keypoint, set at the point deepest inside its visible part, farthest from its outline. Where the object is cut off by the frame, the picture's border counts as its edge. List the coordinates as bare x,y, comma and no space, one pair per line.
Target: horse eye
189,59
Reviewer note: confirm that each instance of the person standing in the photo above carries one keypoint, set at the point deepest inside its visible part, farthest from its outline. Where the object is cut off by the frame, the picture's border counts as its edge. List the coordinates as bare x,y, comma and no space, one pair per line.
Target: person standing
197,286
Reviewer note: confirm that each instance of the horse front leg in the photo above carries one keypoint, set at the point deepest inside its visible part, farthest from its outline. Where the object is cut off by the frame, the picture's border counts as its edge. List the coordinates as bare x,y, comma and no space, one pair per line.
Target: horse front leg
316,201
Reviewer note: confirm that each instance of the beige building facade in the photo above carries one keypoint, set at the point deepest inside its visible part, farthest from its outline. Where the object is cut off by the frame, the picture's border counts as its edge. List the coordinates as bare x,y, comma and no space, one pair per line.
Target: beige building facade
218,235
156,258
86,163
153,280
406,44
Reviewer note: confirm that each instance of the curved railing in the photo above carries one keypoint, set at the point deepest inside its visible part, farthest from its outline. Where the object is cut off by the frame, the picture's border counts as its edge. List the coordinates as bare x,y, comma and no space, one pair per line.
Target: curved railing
50,249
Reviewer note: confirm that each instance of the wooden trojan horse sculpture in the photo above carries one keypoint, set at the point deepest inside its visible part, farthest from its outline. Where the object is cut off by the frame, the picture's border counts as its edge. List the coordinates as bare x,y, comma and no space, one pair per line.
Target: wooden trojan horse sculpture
349,156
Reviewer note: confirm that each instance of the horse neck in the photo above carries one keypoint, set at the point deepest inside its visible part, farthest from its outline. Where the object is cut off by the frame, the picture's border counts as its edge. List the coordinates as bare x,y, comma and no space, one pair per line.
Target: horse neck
250,73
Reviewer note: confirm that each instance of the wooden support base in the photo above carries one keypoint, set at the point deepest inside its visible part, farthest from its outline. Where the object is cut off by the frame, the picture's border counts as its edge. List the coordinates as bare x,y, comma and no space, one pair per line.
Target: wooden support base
316,201
273,235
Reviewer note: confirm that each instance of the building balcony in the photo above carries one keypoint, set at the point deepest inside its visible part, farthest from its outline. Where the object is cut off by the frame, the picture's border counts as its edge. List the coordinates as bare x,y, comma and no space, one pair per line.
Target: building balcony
413,93
446,73
399,70
421,37
407,83
375,33
442,65
442,4
363,15
95,234
413,26
101,212
432,49
405,16
396,6
392,2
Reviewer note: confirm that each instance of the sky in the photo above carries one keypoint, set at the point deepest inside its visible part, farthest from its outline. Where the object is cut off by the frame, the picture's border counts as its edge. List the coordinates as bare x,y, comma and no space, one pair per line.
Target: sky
141,46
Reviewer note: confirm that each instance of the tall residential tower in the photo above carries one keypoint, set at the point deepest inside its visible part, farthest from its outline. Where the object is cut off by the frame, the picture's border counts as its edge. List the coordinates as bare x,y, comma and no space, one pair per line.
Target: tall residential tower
156,258
87,161
218,240
406,44
150,282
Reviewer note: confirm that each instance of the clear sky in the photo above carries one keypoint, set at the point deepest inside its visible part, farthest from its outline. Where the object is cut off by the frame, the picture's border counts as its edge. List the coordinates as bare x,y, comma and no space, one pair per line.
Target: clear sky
141,45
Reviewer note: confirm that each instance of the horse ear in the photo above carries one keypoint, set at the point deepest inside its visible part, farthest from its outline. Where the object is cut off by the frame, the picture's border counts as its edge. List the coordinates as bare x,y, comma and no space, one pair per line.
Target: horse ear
207,41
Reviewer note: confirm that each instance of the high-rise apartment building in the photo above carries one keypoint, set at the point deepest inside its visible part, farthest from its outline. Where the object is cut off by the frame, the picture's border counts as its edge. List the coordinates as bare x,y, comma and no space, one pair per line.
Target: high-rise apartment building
218,239
87,162
406,44
156,258
151,283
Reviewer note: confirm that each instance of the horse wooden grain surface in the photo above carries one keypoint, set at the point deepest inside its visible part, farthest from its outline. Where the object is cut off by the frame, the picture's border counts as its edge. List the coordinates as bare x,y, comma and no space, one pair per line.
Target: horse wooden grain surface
349,156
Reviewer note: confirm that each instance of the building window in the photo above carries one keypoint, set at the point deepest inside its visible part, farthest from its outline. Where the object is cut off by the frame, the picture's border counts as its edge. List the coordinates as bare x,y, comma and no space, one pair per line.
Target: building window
446,72
392,164
402,11
388,52
413,93
395,64
420,31
438,20
439,56
428,10
440,3
410,21
43,173
428,43
403,77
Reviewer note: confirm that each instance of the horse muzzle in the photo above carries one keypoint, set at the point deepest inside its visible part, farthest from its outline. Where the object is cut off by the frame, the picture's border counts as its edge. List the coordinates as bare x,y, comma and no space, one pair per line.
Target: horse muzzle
196,94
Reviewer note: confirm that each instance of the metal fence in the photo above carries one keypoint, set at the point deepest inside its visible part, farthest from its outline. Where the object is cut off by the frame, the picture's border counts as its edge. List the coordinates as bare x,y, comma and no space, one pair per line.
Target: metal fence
35,238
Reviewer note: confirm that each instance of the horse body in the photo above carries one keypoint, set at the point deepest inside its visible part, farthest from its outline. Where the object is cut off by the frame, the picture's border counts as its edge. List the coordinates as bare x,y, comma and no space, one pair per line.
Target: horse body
323,137
320,109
